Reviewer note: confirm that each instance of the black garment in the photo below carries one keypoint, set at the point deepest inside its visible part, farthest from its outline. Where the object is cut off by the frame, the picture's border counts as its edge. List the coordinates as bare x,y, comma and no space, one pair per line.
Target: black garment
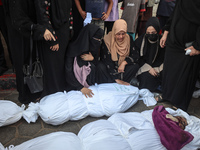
54,15
88,41
151,56
165,8
107,70
180,70
147,81
108,26
20,15
77,19
3,29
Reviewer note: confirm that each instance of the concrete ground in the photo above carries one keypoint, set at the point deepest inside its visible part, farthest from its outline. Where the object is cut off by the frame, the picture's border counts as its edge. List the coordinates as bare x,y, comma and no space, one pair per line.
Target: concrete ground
21,131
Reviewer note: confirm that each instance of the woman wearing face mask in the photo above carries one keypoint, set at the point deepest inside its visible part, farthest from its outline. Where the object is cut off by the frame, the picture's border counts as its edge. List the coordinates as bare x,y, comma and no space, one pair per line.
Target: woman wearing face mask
118,57
151,57
82,58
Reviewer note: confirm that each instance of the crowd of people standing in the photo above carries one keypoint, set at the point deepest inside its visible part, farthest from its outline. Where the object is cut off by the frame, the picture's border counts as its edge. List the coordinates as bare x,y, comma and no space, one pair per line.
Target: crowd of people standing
138,47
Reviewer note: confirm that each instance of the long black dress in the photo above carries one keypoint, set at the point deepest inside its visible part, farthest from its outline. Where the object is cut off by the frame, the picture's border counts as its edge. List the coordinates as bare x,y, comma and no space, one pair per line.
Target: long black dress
77,19
87,41
54,15
107,70
180,70
20,15
151,56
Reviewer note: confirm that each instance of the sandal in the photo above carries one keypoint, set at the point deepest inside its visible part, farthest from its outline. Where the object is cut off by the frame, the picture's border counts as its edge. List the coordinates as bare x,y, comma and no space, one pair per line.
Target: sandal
158,97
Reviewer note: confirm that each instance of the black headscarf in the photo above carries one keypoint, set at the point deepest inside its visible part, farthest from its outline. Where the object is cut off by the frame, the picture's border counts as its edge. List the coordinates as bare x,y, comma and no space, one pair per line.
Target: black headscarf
153,21
60,12
148,50
190,9
85,41
88,40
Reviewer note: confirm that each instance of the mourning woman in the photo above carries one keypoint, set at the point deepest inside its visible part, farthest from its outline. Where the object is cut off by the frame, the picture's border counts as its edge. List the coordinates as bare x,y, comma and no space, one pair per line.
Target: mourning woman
20,16
54,15
118,57
181,70
81,59
151,57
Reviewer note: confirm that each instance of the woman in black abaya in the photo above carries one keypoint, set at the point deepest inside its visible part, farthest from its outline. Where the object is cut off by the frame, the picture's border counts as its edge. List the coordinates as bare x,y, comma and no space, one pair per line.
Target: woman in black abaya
151,57
82,58
20,15
180,70
54,15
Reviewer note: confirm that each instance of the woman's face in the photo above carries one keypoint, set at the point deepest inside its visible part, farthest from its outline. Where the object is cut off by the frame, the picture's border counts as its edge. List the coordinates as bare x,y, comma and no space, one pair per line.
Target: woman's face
151,34
151,30
120,36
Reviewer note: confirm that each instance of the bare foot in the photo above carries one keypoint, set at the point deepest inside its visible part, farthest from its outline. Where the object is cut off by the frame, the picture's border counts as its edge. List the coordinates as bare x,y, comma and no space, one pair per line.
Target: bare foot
122,82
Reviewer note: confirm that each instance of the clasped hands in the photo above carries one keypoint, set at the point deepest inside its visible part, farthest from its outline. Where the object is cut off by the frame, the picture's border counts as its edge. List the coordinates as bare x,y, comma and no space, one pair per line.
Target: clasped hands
153,72
48,36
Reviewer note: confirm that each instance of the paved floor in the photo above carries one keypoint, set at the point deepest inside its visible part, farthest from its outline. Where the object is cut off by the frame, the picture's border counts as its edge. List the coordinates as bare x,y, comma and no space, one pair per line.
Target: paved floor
21,131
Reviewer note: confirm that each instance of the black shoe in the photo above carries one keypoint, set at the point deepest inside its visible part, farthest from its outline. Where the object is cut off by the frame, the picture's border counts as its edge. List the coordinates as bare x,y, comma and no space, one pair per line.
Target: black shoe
134,82
3,70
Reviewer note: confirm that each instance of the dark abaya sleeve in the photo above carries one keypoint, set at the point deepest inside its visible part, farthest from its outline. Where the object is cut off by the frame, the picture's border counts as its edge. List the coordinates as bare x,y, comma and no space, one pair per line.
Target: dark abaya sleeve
19,12
111,66
69,74
138,42
196,44
134,54
96,56
169,21
43,17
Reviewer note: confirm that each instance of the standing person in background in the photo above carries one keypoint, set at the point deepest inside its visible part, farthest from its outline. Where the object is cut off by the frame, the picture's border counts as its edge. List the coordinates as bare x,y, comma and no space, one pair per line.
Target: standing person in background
164,10
20,15
132,9
54,15
79,14
145,16
101,16
181,69
114,15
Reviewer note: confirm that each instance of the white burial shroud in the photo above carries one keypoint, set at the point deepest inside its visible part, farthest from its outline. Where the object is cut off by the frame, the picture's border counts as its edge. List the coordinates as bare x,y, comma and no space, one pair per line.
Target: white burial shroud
122,131
108,99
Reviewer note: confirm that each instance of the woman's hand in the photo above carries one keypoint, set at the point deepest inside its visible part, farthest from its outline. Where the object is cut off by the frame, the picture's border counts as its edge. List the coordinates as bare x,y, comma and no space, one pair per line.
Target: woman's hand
193,51
153,72
48,36
87,57
55,47
83,14
163,39
121,82
122,66
105,16
87,92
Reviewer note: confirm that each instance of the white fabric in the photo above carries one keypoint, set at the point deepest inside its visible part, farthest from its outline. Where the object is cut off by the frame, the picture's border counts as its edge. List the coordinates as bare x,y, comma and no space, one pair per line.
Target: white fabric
133,128
10,112
196,94
147,97
108,99
52,141
102,135
88,19
121,131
